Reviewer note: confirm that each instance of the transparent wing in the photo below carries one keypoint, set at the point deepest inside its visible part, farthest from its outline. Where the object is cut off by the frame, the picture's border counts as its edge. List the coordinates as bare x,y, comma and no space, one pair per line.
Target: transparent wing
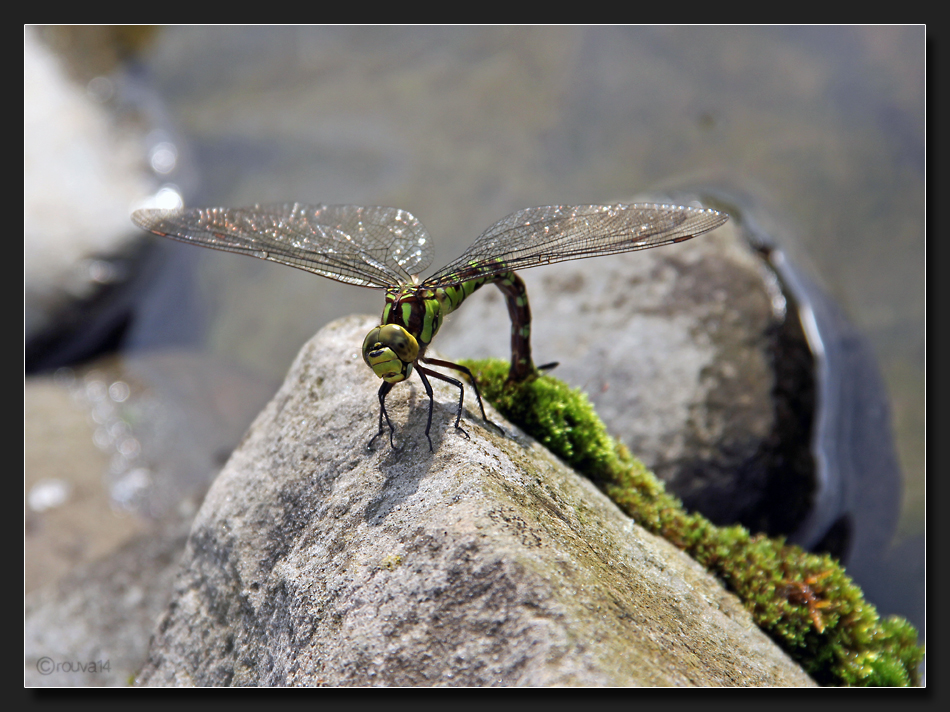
366,246
555,233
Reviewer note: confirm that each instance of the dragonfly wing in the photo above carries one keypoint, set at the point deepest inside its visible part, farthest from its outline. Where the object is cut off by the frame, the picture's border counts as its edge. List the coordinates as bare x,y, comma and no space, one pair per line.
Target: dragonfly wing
555,233
366,246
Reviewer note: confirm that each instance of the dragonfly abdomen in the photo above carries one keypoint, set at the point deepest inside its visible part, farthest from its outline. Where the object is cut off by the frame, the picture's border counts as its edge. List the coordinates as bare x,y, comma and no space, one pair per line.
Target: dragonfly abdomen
516,298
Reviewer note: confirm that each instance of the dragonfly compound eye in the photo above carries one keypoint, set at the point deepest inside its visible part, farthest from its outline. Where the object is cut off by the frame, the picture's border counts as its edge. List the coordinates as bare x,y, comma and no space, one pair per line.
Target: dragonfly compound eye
390,351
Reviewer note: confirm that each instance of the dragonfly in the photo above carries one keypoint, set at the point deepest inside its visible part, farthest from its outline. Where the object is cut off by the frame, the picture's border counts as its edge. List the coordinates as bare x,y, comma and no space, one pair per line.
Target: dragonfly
388,248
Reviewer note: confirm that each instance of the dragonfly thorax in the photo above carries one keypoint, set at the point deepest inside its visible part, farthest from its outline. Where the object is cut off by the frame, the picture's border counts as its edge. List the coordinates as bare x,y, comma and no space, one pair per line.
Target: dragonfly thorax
390,351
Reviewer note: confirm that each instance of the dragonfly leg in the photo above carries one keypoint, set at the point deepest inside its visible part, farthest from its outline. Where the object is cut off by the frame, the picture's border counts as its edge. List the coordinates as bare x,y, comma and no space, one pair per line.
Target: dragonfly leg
435,374
383,390
467,372
425,382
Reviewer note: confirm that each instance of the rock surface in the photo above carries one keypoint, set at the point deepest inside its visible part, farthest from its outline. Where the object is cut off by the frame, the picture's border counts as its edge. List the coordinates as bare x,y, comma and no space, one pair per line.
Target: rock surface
315,561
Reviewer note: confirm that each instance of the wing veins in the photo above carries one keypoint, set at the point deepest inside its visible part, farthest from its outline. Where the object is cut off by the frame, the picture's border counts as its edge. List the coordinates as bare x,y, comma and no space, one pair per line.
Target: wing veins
549,234
368,247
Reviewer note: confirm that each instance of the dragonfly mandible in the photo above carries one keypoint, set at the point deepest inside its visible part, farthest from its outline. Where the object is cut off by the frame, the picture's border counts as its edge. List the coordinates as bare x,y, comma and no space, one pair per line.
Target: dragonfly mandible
388,248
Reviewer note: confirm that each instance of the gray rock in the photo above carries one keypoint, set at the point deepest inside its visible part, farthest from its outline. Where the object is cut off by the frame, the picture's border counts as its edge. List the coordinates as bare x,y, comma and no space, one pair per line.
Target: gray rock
315,561
674,348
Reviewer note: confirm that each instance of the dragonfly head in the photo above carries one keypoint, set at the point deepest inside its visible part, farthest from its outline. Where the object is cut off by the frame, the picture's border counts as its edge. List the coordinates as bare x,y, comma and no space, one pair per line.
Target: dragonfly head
390,351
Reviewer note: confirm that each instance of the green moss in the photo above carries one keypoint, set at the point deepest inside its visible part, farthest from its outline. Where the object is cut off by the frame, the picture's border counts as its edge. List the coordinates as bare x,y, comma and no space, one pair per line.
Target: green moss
804,601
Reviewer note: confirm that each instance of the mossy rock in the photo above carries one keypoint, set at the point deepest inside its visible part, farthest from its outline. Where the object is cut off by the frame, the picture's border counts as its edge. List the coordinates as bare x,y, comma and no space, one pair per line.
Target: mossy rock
805,602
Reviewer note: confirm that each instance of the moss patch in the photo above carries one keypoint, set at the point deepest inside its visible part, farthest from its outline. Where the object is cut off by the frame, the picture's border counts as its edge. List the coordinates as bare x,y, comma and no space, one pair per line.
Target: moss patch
805,602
